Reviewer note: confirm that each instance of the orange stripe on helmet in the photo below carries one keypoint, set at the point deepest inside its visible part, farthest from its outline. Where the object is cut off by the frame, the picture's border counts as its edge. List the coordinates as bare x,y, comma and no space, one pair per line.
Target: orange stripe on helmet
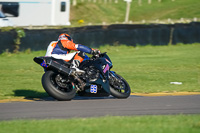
65,36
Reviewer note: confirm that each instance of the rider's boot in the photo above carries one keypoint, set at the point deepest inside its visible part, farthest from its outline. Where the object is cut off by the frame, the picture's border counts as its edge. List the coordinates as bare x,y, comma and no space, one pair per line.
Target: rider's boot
75,65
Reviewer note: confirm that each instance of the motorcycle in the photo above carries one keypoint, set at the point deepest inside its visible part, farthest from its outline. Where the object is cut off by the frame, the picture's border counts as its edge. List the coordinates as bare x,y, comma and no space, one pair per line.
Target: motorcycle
63,83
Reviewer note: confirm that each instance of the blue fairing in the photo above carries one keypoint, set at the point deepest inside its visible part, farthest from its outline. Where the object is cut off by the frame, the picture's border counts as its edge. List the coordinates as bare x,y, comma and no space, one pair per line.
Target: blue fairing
86,58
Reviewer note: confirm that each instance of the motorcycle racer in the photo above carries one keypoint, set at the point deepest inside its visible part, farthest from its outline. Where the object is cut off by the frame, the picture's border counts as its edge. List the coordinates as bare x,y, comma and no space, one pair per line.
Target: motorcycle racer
61,48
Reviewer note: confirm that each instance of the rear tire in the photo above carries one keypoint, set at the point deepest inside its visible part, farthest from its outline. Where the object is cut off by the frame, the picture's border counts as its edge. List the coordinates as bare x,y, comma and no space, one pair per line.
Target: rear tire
54,90
122,93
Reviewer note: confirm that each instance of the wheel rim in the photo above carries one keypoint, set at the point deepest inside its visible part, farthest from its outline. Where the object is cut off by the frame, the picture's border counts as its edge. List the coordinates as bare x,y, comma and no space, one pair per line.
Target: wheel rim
60,83
118,84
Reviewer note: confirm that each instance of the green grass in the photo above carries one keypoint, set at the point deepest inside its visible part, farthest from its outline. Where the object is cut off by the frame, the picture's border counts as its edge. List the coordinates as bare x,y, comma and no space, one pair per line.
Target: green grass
128,124
152,68
110,13
146,68
166,9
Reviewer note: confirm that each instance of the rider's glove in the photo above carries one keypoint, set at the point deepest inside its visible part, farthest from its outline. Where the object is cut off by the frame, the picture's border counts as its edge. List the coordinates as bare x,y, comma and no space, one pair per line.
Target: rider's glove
95,52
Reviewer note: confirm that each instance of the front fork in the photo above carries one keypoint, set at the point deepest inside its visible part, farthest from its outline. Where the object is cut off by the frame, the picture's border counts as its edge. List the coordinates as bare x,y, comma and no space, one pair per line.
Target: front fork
113,78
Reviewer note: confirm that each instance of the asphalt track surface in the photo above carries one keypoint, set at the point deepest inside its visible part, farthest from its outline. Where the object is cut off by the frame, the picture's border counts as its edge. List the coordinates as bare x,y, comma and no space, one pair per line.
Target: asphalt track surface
104,106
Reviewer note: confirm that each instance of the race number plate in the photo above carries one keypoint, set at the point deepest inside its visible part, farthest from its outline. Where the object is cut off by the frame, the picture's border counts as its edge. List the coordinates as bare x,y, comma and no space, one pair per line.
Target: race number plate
93,88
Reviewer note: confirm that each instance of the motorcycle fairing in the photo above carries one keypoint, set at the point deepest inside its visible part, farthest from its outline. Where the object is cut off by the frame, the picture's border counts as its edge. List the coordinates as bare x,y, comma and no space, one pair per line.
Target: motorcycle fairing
103,79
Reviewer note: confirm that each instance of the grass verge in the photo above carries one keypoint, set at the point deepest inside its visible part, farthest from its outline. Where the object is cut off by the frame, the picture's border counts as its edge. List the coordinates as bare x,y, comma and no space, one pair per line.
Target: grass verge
146,68
108,124
99,12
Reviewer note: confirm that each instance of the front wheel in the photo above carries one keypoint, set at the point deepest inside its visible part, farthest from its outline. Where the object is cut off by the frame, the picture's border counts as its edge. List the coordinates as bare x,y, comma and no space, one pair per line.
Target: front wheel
119,88
57,86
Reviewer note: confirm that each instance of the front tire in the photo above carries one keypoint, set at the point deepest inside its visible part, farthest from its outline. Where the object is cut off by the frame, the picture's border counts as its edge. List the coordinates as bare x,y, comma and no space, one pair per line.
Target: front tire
119,88
56,90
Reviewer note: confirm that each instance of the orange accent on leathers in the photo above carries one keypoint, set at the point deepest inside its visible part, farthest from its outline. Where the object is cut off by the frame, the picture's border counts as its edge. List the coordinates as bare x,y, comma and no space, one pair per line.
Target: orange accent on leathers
67,60
79,58
68,44
54,44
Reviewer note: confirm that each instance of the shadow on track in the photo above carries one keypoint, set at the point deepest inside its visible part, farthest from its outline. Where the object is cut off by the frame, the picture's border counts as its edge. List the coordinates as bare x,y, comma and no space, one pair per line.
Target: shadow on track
43,96
28,94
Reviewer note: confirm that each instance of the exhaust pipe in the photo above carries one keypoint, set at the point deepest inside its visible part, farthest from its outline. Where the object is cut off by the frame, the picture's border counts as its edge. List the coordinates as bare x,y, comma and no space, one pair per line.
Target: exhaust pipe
58,67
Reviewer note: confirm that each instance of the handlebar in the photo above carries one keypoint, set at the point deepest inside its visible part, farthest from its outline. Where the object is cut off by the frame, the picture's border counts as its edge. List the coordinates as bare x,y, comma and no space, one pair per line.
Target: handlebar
100,55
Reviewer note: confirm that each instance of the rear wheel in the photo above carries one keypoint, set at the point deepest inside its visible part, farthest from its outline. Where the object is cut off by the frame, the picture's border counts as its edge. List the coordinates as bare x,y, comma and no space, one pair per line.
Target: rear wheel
57,86
119,88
